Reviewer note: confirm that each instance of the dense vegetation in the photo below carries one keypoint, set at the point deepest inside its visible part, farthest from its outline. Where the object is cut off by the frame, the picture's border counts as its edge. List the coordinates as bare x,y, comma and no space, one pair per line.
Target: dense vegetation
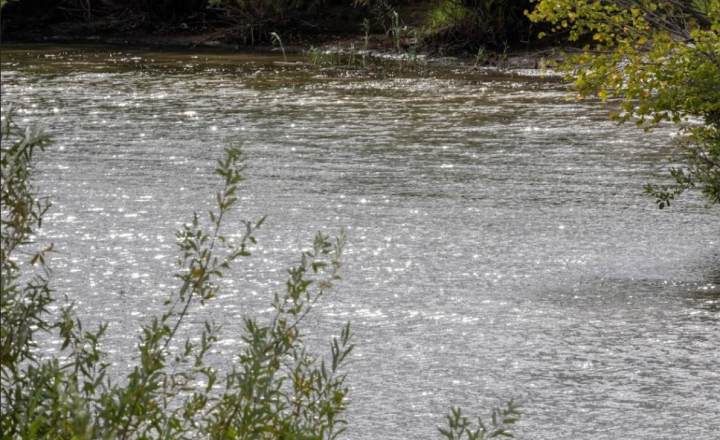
445,25
662,59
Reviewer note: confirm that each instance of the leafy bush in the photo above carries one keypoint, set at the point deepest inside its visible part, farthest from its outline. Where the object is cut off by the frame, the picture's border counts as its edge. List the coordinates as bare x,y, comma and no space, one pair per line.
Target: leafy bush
276,390
469,24
447,14
662,58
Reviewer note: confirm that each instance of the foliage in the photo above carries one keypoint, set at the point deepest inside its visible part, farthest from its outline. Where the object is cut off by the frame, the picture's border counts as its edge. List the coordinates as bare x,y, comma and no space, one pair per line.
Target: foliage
662,58
22,212
457,25
366,41
276,390
469,24
461,25
501,419
319,57
381,11
446,14
259,18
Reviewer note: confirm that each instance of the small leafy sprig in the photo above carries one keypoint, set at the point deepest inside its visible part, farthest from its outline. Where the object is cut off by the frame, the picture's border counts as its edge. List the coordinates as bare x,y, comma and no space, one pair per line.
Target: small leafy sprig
501,421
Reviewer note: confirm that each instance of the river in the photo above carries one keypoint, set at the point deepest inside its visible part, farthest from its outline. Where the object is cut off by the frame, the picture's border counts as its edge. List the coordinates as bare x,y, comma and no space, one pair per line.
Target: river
499,244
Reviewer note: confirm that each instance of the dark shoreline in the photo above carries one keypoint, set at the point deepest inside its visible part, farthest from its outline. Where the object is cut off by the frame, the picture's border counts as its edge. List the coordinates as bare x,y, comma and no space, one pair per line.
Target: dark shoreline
330,44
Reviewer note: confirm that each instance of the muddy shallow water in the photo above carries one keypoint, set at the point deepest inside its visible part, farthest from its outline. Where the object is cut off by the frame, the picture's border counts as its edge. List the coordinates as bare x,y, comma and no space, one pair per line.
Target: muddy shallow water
499,244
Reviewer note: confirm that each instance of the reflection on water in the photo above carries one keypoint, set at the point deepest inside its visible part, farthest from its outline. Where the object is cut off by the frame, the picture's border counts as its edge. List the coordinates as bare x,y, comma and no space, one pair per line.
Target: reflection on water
499,243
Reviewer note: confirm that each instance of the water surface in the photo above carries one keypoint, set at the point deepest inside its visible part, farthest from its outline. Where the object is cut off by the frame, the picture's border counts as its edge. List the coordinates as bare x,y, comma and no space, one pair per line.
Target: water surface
499,244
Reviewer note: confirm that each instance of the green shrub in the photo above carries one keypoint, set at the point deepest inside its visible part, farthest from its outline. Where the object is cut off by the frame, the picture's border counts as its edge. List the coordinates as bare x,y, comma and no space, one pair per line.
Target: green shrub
660,58
447,14
469,24
277,390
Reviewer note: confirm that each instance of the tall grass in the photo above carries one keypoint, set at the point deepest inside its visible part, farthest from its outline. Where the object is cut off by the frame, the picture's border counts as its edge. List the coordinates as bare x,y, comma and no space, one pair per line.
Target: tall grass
277,40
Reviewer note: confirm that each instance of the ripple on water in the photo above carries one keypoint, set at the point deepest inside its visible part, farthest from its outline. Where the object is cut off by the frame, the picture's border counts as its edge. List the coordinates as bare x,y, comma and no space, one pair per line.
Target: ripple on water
499,244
